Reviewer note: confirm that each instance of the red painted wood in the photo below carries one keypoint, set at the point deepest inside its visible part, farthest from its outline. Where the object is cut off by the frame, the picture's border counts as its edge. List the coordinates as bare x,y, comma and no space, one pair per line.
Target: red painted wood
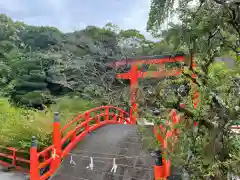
11,153
57,149
163,60
34,171
58,141
158,173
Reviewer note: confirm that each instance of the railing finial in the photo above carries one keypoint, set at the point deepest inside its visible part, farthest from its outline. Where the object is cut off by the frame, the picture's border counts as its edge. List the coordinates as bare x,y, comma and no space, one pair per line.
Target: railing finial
56,117
34,141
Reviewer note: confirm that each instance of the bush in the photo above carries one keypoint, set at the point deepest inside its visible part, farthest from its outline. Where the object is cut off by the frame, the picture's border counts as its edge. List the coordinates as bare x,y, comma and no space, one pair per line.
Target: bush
18,125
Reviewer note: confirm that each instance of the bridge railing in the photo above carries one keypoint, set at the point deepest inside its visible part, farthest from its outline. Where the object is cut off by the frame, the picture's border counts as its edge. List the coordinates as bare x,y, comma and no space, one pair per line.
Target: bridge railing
45,163
167,133
15,158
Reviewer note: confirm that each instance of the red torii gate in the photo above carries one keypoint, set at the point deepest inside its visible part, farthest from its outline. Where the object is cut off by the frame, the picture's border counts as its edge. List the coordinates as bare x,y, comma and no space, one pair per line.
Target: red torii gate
162,170
134,74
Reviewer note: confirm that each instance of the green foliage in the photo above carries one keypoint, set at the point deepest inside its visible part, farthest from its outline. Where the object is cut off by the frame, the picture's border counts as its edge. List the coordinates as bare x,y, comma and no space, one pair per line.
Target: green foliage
37,38
131,33
75,105
18,125
206,29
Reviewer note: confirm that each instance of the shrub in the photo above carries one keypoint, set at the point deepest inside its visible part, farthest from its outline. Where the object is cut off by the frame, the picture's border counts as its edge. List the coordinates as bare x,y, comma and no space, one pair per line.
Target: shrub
18,125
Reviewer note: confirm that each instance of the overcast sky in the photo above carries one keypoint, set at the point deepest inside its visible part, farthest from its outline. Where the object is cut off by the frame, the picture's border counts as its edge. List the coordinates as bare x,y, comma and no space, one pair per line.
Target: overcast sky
70,15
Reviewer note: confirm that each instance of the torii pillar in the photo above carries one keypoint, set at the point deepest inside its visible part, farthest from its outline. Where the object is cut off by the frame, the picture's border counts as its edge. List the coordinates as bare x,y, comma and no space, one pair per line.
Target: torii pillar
133,76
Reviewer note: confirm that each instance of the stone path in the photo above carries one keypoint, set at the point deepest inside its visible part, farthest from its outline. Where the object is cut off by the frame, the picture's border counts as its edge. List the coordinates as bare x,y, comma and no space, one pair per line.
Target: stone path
11,175
121,142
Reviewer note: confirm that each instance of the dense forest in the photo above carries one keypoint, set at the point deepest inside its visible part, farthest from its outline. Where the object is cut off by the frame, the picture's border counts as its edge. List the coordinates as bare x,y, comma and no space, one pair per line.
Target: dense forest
39,64
43,69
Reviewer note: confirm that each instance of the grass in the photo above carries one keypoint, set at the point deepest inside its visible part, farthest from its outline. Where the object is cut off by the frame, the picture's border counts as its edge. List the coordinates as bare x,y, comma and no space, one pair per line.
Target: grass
18,125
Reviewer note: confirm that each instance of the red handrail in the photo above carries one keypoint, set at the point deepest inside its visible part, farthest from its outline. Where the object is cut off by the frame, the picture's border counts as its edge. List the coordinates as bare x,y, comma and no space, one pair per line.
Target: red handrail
74,131
11,154
51,156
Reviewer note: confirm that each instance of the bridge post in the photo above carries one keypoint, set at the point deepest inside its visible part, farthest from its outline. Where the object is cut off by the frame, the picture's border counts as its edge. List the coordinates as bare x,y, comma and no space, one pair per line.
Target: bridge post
57,149
87,121
34,171
121,117
158,167
106,113
167,168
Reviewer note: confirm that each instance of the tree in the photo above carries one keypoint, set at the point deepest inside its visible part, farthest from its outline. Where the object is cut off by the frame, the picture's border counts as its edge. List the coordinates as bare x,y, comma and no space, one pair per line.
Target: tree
36,38
30,87
207,30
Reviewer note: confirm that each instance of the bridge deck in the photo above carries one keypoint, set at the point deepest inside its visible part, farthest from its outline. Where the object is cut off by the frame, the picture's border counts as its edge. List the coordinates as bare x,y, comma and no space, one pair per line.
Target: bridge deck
11,175
104,144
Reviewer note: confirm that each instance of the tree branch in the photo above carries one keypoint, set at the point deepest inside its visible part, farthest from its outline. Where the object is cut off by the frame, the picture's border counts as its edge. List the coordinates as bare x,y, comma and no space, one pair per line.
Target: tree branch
220,2
204,122
192,79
